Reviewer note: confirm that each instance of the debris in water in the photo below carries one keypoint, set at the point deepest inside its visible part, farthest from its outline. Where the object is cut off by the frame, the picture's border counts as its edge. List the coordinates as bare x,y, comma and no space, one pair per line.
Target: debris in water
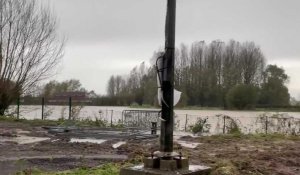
117,145
187,144
87,140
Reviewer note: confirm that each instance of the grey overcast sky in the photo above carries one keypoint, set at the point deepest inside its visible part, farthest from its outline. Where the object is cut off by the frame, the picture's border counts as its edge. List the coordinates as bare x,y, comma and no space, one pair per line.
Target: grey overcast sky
108,37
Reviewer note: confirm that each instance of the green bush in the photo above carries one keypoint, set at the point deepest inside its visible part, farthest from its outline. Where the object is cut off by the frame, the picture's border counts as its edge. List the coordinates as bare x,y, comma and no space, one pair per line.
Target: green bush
242,97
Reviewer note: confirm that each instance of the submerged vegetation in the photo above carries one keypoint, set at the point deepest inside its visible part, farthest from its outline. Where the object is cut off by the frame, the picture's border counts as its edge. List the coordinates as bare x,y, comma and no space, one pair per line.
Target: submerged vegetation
98,122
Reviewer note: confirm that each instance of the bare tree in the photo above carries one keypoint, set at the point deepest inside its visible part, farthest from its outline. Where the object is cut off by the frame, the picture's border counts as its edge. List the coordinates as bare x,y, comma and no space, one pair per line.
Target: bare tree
29,47
111,87
252,63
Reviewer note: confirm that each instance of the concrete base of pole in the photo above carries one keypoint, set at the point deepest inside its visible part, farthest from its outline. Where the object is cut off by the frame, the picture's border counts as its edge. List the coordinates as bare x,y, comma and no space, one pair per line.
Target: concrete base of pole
140,170
166,166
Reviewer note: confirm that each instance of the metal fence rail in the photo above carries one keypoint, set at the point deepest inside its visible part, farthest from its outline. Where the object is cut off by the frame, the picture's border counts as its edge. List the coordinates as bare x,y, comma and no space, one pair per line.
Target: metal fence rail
141,118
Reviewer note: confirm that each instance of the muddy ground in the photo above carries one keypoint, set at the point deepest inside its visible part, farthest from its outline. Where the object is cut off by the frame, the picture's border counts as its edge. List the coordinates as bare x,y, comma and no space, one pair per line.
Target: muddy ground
274,155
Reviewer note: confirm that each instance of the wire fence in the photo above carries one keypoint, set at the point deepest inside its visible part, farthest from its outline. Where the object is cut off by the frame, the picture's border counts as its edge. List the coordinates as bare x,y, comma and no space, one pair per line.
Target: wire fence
211,124
266,123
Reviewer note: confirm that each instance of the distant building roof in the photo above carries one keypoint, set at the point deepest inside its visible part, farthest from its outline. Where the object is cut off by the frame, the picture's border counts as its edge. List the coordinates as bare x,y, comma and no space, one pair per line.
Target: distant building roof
64,97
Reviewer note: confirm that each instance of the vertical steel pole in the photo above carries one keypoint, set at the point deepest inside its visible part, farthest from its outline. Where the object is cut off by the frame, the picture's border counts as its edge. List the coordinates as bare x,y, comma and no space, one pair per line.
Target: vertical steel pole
111,118
70,108
167,124
18,108
43,103
186,120
224,126
267,124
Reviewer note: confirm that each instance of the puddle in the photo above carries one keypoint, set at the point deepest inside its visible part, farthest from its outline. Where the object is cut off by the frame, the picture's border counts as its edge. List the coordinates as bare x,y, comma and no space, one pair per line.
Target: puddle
87,140
188,144
56,140
20,131
195,168
138,167
117,145
24,139
192,168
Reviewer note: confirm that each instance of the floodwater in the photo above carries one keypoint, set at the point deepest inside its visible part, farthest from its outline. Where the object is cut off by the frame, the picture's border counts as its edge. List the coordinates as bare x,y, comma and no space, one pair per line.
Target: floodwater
22,139
117,145
247,120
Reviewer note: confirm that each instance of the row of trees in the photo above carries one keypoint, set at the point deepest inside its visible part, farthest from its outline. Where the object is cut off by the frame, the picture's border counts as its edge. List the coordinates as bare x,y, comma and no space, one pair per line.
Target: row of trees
209,75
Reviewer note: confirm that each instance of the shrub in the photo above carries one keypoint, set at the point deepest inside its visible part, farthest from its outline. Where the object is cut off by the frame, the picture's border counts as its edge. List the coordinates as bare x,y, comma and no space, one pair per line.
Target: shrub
242,97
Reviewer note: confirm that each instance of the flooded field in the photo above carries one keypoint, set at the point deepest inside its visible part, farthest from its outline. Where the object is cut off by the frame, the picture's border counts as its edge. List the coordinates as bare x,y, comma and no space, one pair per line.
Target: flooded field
24,146
248,121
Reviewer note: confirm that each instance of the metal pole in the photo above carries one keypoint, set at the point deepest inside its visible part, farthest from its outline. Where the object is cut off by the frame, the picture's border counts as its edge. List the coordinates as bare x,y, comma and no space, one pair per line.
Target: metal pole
186,120
167,124
111,118
70,108
18,108
224,126
267,124
43,103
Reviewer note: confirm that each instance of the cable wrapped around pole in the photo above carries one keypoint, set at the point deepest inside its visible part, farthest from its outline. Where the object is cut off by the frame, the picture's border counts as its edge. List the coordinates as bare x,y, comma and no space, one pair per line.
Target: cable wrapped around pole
167,124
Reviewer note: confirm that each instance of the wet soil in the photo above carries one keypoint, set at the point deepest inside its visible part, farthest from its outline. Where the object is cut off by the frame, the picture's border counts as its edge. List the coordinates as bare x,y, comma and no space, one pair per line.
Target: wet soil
247,154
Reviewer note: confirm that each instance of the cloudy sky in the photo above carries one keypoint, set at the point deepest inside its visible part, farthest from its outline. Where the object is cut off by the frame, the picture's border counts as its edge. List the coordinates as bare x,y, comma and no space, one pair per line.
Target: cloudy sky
108,37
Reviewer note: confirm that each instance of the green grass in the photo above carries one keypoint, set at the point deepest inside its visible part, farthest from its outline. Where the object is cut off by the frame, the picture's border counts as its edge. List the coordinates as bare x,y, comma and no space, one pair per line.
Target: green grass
107,169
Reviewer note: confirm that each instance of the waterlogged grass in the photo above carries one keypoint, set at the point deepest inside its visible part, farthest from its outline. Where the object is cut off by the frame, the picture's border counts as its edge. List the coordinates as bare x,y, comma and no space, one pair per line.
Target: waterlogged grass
61,122
34,122
108,169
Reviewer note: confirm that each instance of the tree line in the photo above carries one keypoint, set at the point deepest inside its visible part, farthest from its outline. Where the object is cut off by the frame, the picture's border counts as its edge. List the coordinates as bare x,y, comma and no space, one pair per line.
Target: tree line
216,74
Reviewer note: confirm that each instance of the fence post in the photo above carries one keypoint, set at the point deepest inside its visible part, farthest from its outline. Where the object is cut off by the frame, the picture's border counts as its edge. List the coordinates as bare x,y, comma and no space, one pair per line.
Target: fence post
18,108
123,117
154,128
267,124
70,108
111,118
224,126
186,120
43,103
106,114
